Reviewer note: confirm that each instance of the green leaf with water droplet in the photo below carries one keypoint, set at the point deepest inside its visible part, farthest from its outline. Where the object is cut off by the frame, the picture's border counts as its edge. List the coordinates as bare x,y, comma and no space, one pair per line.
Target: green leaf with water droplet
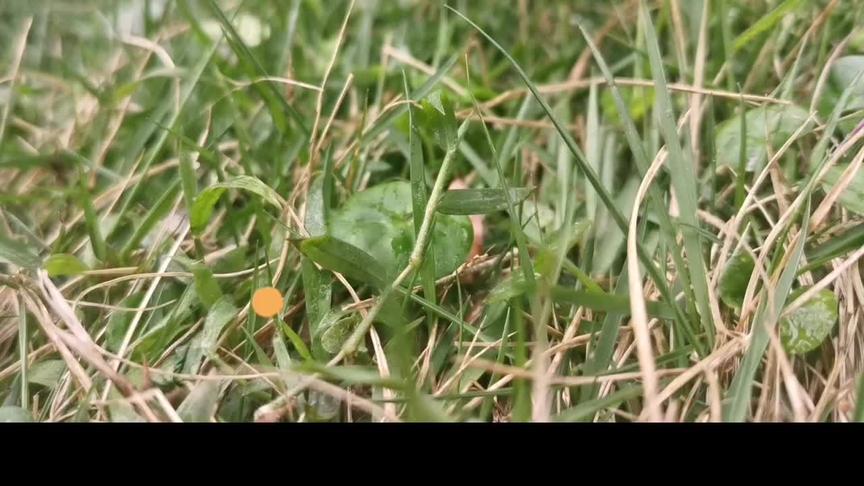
333,331
806,327
379,221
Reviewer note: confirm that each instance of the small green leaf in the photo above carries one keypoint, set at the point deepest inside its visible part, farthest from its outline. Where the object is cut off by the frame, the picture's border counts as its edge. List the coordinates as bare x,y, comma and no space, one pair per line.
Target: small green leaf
14,414
46,373
735,279
379,221
351,374
64,265
586,409
203,206
296,340
438,116
852,198
17,253
637,101
508,288
805,328
837,245
423,408
206,285
479,201
342,257
119,321
222,312
334,330
608,302
766,126
316,209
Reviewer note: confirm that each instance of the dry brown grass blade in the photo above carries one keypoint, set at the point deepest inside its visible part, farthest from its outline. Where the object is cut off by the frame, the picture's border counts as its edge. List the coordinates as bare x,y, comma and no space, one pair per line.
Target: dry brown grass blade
638,311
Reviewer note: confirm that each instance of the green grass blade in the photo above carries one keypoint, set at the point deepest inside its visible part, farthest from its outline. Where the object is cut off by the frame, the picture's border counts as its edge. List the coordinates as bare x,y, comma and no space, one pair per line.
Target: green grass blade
741,389
684,179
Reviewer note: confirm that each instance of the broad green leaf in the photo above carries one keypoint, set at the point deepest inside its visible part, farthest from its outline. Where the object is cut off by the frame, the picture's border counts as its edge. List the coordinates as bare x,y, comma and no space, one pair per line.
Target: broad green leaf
852,198
14,414
766,126
17,253
805,328
204,203
379,221
345,258
479,201
201,404
735,278
46,373
63,265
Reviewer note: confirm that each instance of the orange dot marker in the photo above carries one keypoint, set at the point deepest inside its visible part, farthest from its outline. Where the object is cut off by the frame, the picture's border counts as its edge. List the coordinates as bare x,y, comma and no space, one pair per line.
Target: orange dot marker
267,302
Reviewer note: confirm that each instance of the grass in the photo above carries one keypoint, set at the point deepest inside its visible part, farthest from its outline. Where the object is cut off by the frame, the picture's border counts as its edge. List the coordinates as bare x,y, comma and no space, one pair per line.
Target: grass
645,240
